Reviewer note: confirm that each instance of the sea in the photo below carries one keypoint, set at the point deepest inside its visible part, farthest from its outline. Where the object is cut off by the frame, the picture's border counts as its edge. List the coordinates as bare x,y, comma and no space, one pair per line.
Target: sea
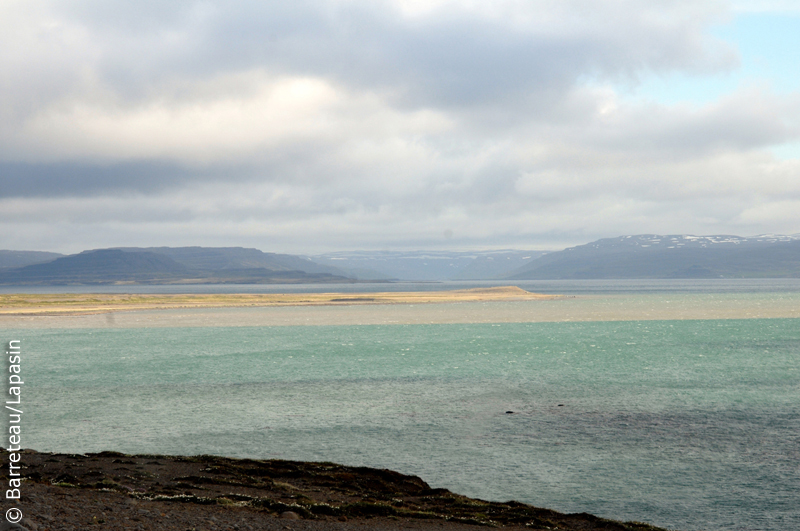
676,403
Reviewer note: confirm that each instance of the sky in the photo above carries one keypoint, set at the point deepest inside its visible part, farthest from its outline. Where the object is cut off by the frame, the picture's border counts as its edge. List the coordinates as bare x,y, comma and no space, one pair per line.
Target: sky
327,125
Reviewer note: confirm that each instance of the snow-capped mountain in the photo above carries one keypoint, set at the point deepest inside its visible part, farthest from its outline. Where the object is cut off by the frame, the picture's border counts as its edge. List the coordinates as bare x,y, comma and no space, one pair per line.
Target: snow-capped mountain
671,256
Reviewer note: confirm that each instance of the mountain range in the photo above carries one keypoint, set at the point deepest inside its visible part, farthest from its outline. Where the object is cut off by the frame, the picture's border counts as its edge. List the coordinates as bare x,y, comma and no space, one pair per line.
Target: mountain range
427,265
639,256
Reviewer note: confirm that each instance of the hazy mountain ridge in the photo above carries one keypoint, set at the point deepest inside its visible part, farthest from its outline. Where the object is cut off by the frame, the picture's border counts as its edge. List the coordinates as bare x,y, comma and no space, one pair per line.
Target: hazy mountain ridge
428,265
671,256
496,264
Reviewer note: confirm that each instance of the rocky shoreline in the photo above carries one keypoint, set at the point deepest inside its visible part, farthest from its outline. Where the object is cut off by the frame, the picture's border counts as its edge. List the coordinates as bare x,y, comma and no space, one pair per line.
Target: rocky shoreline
110,490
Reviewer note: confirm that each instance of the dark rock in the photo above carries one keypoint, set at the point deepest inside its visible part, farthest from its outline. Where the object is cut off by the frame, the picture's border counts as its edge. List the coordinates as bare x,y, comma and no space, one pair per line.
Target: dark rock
216,486
8,526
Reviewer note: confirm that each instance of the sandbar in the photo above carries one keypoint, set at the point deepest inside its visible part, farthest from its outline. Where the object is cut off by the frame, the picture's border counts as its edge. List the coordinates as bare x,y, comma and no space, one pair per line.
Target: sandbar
96,303
504,305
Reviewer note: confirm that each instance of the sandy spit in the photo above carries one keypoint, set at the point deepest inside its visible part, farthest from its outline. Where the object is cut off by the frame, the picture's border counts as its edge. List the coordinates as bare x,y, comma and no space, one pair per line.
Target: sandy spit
94,303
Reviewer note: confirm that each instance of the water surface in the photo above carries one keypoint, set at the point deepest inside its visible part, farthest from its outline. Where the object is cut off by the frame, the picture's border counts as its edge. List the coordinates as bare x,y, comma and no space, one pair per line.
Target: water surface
685,423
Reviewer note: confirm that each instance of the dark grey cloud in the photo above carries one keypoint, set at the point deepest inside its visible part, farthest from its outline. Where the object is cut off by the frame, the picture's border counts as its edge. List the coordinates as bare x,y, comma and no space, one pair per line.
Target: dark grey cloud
76,179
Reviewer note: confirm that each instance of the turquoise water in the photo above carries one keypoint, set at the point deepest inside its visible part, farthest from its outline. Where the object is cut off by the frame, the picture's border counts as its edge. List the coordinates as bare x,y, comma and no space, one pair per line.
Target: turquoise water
686,424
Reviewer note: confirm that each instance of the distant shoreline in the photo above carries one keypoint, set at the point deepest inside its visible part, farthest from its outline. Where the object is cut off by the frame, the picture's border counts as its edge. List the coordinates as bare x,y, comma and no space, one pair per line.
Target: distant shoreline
98,303
468,306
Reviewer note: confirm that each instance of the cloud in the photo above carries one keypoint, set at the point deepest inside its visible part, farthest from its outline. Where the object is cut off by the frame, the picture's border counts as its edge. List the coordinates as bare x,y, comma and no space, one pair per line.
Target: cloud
66,179
344,123
763,6
197,129
454,54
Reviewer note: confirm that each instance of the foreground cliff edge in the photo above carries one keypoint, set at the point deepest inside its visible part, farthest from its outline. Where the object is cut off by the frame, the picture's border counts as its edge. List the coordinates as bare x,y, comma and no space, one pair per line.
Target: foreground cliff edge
114,491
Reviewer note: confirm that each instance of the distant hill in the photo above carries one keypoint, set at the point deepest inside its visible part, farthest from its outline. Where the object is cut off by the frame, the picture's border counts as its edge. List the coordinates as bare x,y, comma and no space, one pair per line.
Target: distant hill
427,265
196,265
230,258
99,267
674,256
23,258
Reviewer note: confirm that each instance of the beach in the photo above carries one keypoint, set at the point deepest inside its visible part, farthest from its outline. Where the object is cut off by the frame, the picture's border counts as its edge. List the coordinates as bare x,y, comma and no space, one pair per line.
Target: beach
482,305
86,304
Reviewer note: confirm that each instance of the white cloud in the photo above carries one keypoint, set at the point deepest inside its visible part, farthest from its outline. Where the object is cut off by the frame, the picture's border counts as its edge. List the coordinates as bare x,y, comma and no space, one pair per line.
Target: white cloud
274,112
